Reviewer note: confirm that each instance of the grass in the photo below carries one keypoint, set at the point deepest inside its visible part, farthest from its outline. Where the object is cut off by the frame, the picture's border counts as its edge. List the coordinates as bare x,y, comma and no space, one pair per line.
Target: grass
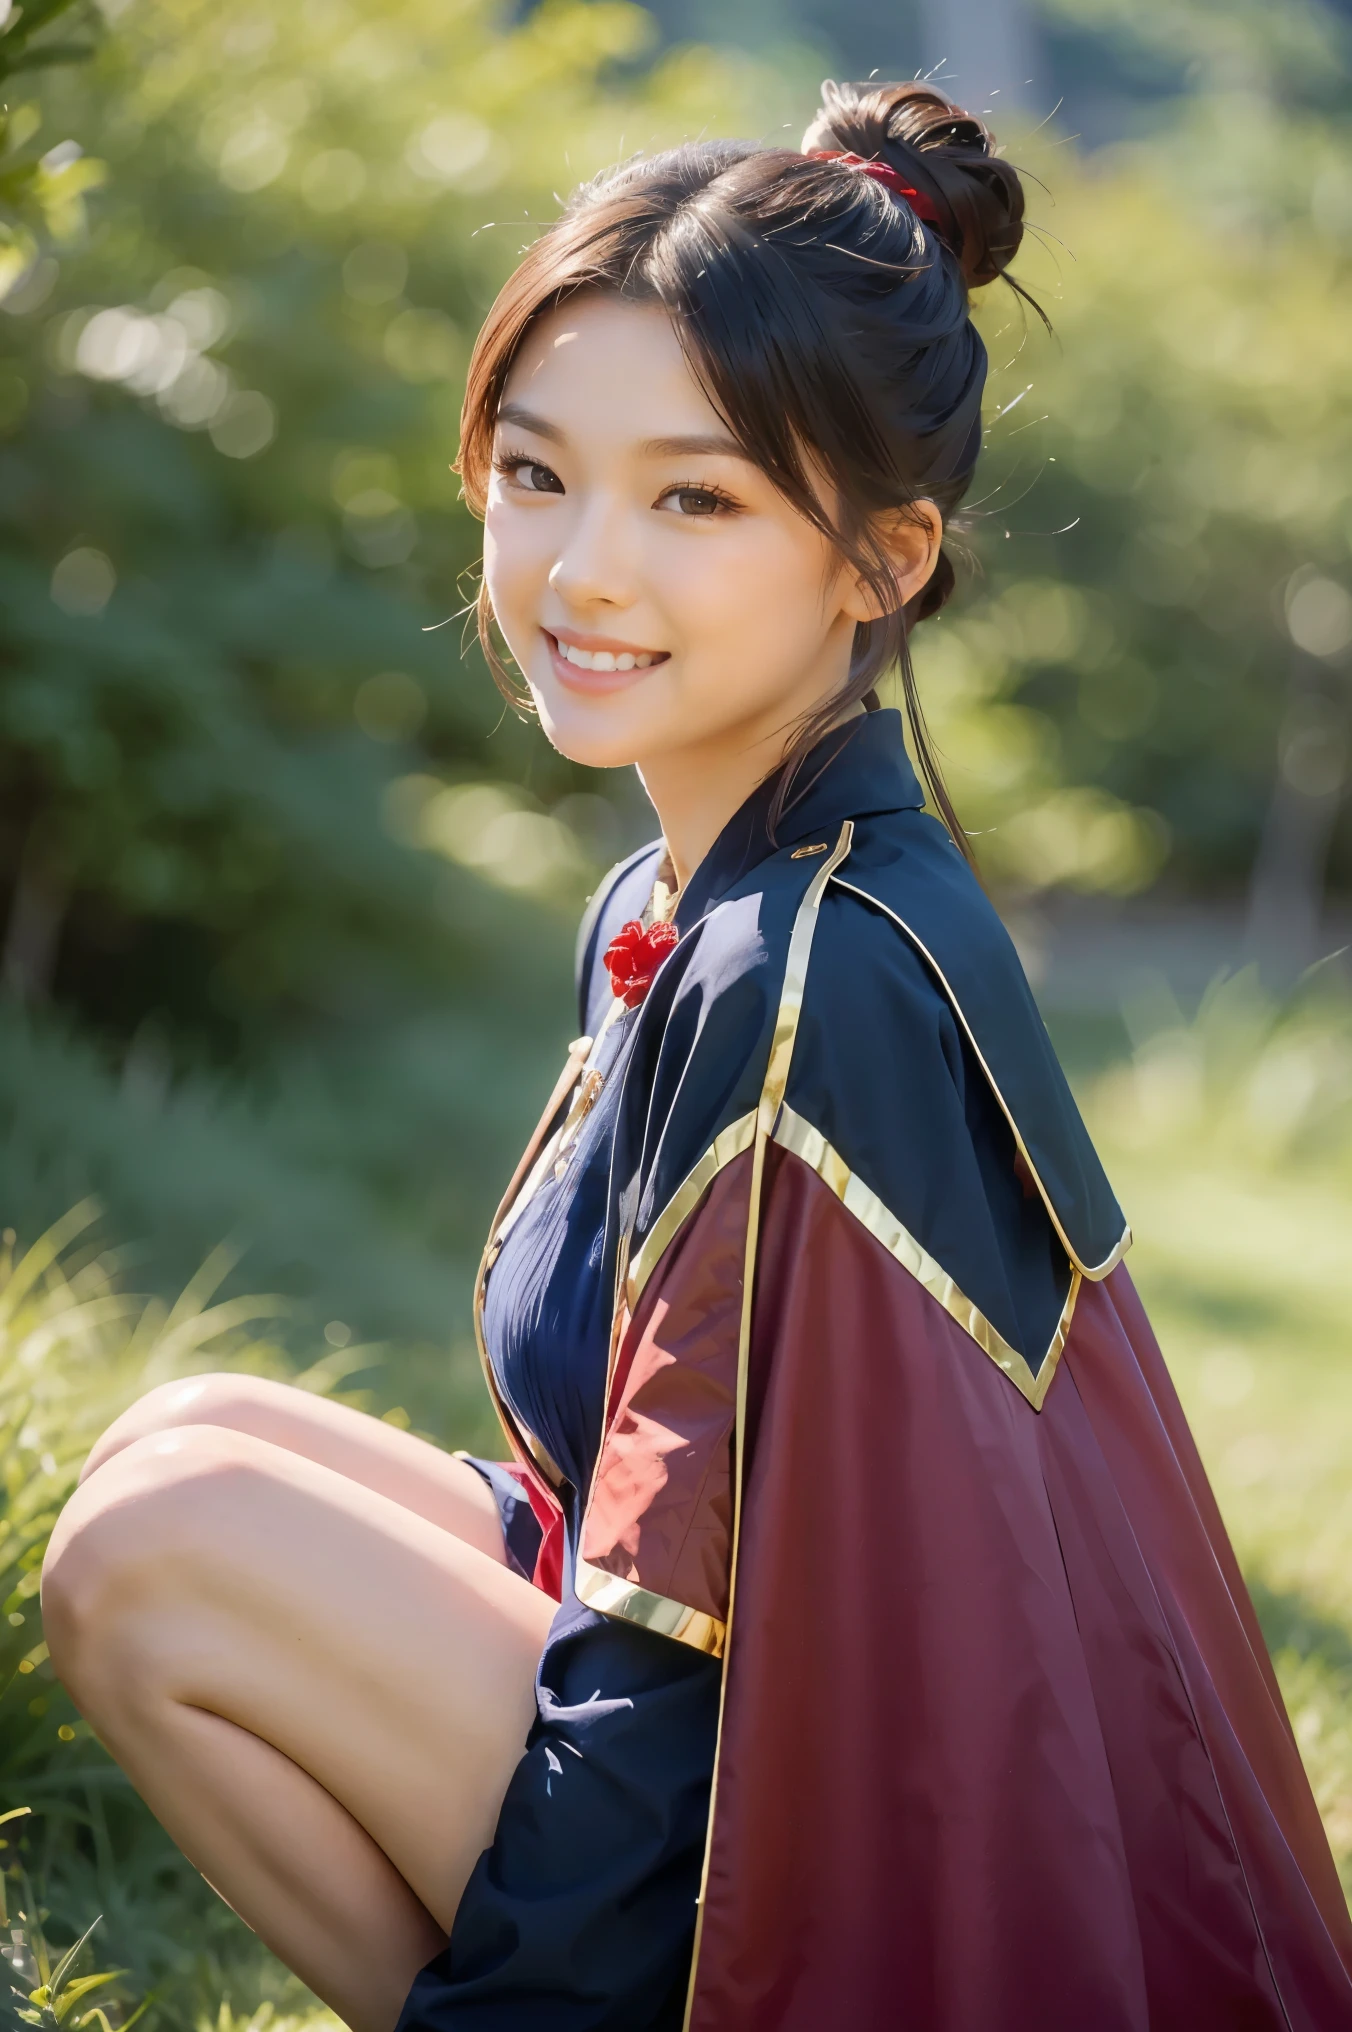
74,1349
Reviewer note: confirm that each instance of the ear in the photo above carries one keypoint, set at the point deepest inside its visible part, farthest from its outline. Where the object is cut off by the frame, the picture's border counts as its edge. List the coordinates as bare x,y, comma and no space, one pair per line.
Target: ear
911,537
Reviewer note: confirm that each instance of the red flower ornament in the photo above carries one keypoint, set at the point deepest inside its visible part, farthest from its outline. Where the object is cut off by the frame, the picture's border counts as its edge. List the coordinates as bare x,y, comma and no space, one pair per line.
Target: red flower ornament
633,957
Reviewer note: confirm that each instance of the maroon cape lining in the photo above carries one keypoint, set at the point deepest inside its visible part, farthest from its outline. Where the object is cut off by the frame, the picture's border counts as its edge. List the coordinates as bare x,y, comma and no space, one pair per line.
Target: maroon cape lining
1003,1750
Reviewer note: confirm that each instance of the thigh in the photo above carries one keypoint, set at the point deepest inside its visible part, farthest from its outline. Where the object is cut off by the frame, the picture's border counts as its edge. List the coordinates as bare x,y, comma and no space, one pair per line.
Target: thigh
384,1656
410,1471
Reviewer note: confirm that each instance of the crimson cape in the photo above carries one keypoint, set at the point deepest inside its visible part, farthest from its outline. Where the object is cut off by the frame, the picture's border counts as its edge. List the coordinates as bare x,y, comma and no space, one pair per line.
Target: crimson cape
887,1432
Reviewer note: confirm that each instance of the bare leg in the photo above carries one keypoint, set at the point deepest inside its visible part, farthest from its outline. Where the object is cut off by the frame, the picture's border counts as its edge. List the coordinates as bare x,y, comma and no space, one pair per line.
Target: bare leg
321,1694
408,1470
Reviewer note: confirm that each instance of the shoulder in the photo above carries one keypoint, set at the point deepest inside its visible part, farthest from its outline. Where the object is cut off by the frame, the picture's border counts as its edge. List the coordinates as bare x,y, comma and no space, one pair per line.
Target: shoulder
879,1006
874,1019
921,1046
884,1078
889,1099
919,884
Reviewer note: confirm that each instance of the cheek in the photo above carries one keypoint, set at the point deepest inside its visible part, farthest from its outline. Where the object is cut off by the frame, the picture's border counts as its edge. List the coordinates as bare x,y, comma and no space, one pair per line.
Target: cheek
743,597
500,558
516,562
703,573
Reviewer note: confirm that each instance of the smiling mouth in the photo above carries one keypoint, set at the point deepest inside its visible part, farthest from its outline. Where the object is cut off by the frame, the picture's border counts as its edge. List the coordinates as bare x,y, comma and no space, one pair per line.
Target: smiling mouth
605,660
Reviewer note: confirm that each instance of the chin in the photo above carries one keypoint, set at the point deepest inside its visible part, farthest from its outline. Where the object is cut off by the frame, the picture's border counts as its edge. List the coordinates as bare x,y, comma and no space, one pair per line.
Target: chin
594,735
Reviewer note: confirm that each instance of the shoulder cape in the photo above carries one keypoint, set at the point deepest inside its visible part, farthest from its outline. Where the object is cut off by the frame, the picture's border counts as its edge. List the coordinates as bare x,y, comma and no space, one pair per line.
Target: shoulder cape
886,1431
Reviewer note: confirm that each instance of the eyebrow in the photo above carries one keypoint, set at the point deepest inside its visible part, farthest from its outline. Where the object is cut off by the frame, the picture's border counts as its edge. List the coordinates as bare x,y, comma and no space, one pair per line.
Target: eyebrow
527,419
703,444
700,444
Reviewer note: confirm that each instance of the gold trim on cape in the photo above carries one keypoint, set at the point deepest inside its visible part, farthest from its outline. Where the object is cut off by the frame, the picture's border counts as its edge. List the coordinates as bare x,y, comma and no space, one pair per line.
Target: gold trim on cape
793,1133
1096,1272
633,1604
771,1100
729,1143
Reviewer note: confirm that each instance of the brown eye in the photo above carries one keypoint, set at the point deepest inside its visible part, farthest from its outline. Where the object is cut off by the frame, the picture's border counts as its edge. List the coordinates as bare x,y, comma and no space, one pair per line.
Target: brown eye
538,479
694,500
529,474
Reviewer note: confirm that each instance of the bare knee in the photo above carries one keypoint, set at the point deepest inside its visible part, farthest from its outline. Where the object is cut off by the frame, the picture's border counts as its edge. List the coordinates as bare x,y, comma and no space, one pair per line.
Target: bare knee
132,1550
243,1403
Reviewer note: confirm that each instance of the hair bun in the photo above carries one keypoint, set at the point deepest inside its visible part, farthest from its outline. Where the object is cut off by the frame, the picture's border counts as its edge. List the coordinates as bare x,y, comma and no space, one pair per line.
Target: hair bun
939,149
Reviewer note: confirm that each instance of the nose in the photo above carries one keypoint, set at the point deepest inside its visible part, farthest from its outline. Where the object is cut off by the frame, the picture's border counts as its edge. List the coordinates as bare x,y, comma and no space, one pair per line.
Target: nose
597,565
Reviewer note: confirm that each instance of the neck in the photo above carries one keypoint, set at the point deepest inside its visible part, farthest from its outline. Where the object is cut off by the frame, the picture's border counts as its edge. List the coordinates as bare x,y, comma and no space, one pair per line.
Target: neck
695,791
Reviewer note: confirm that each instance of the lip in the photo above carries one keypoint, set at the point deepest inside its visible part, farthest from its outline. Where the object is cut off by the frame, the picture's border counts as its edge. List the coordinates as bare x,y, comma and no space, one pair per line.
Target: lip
578,638
595,682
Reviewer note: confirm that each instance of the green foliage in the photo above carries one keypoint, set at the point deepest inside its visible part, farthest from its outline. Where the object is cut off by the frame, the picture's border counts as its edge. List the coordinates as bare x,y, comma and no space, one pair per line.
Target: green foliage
1247,1081
40,192
358,1180
1301,51
230,516
46,1988
1165,520
25,44
257,838
75,1348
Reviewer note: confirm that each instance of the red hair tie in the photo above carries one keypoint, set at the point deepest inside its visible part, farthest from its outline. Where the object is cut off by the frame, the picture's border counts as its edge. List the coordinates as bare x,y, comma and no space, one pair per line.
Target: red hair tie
923,207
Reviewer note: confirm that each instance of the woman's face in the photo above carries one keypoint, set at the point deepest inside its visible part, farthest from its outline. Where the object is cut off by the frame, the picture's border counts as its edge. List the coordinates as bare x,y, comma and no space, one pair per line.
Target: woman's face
657,592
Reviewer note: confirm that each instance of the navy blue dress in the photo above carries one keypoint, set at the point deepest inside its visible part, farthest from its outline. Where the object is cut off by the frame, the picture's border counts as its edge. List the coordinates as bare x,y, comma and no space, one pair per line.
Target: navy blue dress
580,1918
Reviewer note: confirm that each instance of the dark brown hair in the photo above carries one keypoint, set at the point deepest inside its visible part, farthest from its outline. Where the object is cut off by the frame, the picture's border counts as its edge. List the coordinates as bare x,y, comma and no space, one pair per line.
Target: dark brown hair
822,319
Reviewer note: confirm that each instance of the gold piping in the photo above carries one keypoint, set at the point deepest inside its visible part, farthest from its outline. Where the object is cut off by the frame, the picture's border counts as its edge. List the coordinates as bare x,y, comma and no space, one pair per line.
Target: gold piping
633,1604
794,1134
619,1315
771,1100
587,1094
729,1143
1110,1262
520,1186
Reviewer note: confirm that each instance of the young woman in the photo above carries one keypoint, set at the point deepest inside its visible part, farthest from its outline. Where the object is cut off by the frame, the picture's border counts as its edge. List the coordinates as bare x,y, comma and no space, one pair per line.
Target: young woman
853,1639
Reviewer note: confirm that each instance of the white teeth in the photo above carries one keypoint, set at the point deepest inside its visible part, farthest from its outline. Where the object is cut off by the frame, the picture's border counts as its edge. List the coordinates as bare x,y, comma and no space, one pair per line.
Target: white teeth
602,659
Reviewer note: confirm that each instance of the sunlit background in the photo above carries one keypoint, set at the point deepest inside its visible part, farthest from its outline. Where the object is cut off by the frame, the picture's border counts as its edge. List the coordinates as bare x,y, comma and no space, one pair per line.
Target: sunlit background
287,899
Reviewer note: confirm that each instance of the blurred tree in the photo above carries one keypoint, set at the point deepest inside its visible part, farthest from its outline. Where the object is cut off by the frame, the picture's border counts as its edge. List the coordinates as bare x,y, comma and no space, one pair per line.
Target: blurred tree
234,765
40,190
229,509
1129,66
1164,523
986,48
1114,68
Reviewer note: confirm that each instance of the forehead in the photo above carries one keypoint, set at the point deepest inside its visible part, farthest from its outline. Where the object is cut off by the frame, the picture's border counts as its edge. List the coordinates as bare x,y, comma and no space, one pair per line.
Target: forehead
608,367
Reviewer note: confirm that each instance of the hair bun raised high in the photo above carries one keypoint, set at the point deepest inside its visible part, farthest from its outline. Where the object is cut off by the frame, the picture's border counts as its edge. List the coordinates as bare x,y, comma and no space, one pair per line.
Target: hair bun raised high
939,149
